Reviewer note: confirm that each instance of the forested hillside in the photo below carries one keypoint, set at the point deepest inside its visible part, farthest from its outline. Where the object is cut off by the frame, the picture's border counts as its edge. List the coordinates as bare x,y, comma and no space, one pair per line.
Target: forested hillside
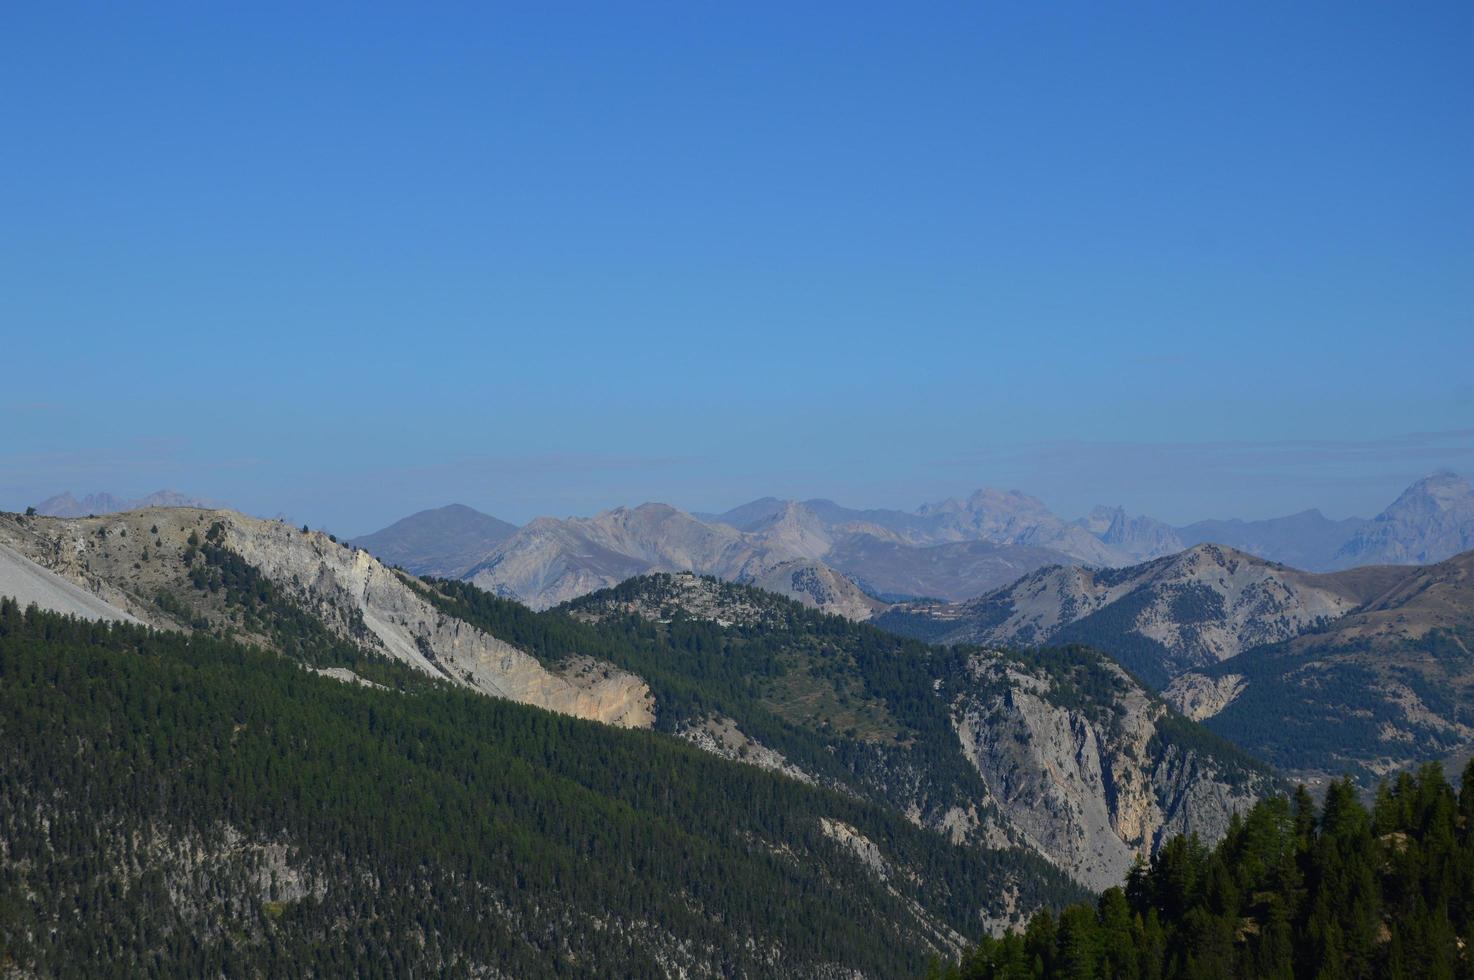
1290,892
190,806
1062,752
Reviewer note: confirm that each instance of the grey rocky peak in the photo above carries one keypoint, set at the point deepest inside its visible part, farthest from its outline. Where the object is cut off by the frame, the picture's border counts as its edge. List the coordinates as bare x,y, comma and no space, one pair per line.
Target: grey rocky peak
1139,538
952,571
1163,617
1432,520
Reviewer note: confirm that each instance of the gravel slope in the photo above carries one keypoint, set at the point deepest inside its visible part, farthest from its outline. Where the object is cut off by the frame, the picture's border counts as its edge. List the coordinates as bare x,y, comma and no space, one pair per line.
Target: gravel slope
24,580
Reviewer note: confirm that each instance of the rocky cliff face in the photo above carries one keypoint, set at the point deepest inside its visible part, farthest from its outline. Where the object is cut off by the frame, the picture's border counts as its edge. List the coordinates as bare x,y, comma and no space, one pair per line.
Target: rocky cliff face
1138,538
1092,782
1015,518
1431,521
1062,752
129,559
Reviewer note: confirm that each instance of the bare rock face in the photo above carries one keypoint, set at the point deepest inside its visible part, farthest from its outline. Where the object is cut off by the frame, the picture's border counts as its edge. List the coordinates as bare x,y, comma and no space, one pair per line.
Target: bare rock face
1198,697
1090,789
127,559
1139,538
333,578
1016,518
818,586
1163,617
1431,521
721,736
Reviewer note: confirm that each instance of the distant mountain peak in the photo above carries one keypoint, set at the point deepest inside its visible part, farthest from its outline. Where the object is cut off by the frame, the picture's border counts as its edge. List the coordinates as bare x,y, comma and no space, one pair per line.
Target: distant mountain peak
445,541
67,505
1431,520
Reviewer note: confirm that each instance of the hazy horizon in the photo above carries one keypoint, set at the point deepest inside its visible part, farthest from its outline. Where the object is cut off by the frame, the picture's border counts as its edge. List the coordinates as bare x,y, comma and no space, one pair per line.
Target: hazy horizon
346,264
263,509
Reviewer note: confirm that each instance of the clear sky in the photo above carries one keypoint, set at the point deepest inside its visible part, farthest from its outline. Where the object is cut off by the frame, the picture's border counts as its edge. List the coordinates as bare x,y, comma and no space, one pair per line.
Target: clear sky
348,261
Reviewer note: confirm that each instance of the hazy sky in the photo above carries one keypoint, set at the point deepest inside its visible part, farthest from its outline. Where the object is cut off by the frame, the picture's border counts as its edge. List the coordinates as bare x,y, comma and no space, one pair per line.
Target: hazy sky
345,262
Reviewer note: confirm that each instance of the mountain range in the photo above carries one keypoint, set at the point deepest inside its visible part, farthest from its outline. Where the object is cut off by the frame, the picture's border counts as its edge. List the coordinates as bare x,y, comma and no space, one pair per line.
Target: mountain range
1367,670
1060,755
1159,619
66,505
1067,724
855,562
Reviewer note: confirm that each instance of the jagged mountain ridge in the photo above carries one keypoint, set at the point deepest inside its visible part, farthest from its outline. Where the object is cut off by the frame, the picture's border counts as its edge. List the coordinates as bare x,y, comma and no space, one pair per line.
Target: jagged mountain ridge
66,505
1004,518
1160,618
551,561
952,549
1139,538
954,571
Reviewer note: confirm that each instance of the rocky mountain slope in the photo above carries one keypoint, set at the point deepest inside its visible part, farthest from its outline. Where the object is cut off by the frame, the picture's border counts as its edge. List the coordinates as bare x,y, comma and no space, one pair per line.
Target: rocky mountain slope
951,550
1385,686
30,584
1432,520
1139,538
1159,619
953,571
551,561
446,541
182,568
1088,766
1061,752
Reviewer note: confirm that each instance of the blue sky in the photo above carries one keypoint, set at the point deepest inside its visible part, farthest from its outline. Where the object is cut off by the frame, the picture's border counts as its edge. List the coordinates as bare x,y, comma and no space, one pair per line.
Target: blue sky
350,261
